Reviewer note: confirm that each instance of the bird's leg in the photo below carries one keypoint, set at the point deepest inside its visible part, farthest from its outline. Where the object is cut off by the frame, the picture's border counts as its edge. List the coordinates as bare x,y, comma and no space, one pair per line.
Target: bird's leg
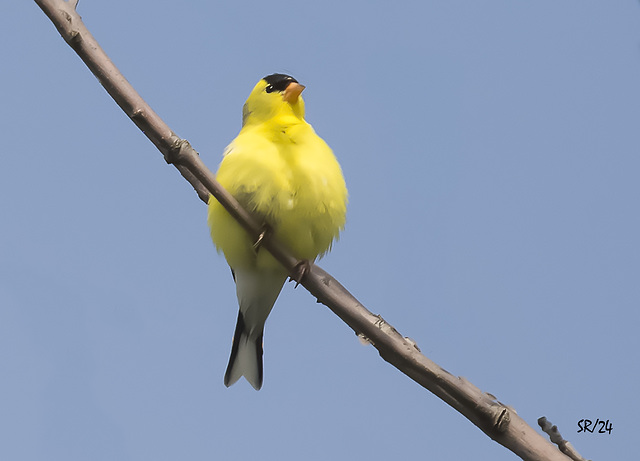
263,233
301,269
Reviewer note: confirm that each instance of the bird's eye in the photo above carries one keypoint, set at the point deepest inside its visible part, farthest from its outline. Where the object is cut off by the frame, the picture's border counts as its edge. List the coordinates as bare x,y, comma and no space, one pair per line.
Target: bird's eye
269,89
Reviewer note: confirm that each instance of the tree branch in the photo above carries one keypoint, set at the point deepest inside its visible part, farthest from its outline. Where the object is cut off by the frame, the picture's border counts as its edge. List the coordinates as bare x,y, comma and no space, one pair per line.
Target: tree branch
555,437
498,421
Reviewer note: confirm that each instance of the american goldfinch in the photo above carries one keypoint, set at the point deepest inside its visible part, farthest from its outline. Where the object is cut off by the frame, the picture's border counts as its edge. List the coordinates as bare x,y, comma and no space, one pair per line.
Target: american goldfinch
283,173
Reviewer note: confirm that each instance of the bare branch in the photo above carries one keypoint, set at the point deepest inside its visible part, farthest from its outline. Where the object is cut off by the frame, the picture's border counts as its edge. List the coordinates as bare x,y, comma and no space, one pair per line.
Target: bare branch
555,437
498,421
70,25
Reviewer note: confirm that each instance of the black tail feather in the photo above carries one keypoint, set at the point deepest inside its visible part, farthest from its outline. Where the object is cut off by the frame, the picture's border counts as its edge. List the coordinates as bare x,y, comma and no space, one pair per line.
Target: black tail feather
240,336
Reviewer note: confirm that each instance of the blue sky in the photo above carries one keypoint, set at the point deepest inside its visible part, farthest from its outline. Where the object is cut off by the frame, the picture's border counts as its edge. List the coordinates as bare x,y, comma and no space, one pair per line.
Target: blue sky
491,154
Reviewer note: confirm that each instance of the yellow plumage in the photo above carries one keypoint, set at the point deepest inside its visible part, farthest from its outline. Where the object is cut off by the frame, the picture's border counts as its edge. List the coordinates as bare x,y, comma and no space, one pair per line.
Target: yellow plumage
280,170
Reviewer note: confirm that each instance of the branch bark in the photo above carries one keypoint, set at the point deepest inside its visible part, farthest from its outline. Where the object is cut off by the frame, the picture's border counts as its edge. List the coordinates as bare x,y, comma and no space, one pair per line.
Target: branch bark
554,435
498,421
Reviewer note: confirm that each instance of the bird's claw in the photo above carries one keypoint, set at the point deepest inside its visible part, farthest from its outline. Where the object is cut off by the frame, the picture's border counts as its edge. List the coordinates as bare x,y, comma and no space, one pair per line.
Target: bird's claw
258,243
301,269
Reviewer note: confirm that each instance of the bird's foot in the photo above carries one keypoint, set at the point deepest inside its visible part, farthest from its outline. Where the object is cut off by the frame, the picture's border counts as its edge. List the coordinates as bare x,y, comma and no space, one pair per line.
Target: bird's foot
263,233
301,269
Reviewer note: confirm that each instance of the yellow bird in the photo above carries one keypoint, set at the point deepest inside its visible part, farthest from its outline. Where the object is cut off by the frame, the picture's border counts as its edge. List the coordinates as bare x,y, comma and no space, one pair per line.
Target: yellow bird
283,173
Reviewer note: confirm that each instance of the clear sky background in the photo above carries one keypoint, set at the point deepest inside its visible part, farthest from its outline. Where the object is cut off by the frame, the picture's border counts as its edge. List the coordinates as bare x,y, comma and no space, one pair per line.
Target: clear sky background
491,153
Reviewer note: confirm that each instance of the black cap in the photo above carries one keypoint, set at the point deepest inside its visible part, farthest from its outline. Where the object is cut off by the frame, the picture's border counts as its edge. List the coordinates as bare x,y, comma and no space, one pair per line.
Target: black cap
278,82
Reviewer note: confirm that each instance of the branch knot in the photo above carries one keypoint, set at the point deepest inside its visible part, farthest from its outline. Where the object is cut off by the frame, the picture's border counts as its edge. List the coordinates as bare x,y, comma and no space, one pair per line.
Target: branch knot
178,152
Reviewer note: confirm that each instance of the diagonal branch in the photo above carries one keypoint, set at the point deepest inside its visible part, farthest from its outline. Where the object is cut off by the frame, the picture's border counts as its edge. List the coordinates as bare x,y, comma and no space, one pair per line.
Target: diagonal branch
498,421
555,437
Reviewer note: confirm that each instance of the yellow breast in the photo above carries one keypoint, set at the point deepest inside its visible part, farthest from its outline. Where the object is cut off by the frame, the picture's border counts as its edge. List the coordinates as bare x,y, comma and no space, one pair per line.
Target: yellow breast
288,177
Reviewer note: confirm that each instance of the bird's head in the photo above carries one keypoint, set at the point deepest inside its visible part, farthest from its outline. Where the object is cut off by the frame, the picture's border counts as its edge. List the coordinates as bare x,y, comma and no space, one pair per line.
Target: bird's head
274,96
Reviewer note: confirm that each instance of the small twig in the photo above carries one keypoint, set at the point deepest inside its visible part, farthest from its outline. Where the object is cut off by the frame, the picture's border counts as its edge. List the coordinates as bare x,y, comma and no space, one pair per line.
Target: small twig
554,435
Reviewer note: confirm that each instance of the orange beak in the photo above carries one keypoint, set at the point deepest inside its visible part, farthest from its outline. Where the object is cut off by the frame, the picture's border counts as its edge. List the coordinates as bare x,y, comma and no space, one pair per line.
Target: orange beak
292,92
